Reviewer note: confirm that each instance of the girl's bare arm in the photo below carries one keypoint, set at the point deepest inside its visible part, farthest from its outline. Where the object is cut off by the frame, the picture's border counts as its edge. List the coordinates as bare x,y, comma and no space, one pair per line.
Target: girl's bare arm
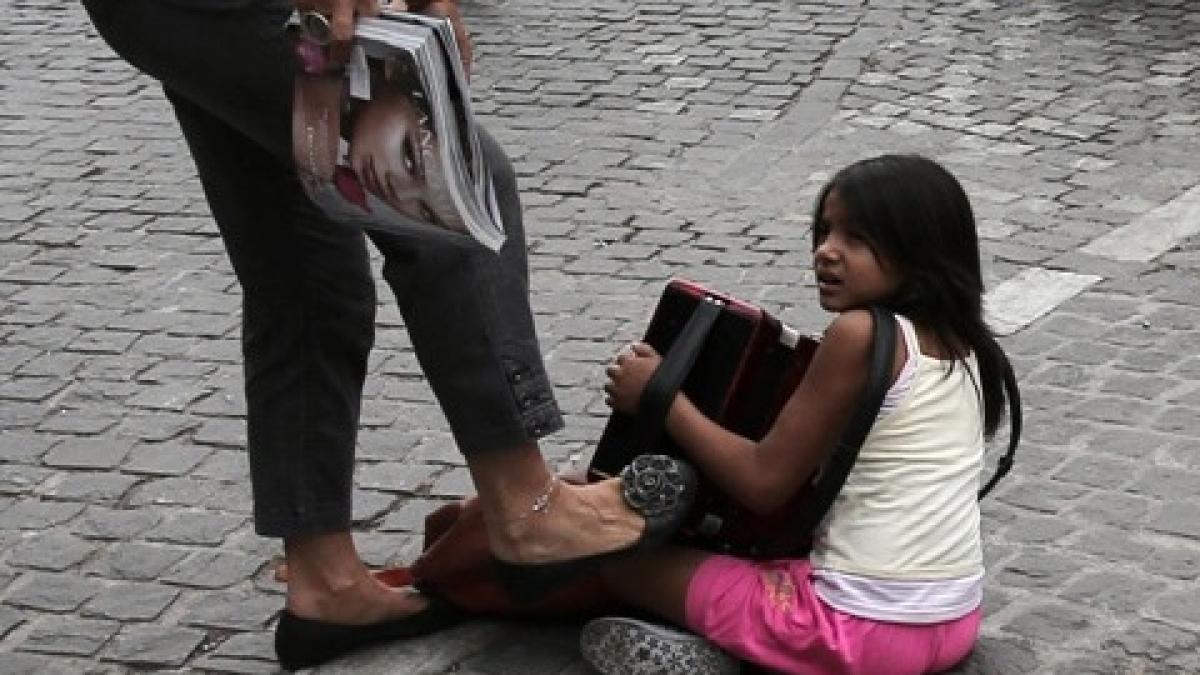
763,476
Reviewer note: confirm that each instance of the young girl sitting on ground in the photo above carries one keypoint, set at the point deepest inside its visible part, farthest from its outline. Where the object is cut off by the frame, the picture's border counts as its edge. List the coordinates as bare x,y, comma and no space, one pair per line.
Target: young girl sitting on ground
893,583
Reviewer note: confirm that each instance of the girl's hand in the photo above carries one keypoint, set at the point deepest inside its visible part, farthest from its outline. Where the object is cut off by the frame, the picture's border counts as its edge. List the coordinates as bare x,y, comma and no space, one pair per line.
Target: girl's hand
628,375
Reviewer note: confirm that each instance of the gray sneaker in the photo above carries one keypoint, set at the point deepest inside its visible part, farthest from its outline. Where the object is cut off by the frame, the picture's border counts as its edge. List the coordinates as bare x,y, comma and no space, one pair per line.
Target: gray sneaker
615,645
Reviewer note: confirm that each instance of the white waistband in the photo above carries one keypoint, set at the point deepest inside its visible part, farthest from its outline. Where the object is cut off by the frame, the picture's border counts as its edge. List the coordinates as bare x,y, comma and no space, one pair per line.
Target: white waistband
899,601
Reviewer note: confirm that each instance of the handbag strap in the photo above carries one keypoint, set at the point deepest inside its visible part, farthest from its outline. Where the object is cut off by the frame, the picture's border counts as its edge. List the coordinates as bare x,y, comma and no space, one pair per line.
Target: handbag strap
833,473
662,386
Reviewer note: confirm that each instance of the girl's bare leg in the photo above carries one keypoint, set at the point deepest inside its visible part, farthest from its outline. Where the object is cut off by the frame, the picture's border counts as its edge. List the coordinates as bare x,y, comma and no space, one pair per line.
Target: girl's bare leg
656,581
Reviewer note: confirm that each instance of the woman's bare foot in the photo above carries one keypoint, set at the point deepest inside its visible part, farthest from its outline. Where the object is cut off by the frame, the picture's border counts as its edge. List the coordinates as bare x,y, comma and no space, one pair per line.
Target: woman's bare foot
327,581
534,517
576,521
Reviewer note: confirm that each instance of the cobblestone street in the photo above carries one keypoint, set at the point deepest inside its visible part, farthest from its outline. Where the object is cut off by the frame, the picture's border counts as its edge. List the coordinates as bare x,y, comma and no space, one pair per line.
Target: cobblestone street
651,140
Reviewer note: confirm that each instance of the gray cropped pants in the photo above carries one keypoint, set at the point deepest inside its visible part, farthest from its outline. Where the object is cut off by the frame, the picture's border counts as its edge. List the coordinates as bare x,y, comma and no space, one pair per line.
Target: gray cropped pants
308,316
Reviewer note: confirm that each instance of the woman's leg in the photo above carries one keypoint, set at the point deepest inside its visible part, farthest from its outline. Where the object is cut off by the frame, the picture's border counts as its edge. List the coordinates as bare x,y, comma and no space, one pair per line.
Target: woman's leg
468,313
228,68
308,295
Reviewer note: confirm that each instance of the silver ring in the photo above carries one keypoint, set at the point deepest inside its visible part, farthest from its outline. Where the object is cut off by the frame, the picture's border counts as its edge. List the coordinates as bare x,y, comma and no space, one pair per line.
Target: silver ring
316,27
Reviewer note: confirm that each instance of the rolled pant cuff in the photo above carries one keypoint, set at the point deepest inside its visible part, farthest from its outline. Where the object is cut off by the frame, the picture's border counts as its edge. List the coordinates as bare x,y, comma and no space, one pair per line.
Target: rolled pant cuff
321,518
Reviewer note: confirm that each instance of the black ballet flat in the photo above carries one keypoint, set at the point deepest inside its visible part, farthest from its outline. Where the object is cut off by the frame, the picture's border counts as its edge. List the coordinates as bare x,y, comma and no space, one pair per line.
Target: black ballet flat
304,643
659,488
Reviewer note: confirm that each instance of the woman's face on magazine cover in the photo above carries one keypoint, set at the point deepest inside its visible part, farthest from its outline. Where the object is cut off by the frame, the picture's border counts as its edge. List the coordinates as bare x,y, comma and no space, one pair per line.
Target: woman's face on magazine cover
392,152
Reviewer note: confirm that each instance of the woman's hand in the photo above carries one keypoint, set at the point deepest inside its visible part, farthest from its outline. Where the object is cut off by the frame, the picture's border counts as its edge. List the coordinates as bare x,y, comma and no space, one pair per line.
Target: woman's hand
628,375
341,15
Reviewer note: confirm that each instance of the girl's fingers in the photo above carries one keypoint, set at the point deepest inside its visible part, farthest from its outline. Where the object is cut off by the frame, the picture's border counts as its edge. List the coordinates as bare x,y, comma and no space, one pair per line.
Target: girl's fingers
642,349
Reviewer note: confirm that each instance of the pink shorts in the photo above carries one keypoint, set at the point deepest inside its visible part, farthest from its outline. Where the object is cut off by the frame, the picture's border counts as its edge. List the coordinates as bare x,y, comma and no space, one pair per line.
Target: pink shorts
768,614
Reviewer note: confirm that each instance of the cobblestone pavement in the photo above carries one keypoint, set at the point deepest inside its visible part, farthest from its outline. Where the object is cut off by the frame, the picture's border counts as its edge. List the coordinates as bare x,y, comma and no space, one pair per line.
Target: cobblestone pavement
652,139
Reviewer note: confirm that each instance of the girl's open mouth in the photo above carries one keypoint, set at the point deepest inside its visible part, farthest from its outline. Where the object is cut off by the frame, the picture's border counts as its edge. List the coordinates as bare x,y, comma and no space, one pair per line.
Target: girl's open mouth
827,282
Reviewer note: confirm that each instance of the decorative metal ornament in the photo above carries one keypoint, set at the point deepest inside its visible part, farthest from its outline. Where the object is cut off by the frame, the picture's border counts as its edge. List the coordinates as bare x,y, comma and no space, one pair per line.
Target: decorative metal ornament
653,484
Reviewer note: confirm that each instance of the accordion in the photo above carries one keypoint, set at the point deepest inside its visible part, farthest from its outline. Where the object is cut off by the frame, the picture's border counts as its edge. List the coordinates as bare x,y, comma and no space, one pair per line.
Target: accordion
743,369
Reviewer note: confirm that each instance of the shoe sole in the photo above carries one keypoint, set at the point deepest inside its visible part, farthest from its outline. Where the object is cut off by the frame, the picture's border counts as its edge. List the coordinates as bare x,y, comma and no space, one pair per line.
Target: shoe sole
622,646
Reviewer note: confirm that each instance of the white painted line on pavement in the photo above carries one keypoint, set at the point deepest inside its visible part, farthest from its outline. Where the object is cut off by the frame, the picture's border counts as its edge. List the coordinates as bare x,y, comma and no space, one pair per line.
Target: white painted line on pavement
1153,233
1034,292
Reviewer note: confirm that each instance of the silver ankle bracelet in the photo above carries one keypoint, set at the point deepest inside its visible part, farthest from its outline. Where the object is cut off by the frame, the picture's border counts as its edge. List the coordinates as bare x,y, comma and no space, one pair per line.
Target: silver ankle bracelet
541,503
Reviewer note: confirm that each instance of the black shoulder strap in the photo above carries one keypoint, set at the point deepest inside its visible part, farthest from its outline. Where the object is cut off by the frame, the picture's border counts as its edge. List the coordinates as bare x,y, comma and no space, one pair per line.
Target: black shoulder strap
833,474
662,386
1005,464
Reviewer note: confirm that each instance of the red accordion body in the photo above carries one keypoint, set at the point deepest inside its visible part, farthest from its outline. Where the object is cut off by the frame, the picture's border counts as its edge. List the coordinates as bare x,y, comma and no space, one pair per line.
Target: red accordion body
746,370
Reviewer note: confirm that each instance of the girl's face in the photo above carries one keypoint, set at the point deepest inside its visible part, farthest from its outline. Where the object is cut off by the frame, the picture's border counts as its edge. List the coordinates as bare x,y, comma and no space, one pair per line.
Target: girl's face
849,273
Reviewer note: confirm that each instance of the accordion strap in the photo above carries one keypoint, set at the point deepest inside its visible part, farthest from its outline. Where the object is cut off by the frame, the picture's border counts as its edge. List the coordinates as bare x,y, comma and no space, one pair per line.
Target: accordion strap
662,386
832,475
681,356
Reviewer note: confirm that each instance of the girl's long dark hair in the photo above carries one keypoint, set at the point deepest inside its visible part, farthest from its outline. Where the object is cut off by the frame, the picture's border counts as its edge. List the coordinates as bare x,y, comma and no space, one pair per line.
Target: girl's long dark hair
918,219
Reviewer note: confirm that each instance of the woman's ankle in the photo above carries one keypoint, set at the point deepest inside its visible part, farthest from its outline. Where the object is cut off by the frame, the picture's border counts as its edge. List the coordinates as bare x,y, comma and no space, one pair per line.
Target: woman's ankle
575,521
326,578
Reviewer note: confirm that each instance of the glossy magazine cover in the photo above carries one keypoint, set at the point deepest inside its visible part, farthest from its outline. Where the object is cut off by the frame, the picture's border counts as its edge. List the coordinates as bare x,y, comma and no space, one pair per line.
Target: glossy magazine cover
389,141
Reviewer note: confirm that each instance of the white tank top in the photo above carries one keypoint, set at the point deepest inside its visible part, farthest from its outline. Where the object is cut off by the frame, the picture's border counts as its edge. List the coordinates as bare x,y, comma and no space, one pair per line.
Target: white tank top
902,541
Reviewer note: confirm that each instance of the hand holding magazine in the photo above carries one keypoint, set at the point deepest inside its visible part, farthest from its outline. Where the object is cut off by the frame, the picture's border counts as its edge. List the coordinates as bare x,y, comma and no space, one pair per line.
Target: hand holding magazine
389,142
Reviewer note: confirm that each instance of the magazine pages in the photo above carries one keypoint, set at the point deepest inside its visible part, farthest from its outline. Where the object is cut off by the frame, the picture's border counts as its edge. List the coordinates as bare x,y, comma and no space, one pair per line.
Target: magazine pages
389,142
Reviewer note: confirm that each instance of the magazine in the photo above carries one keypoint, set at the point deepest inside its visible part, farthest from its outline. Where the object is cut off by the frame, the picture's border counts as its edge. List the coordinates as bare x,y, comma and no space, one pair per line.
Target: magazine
389,142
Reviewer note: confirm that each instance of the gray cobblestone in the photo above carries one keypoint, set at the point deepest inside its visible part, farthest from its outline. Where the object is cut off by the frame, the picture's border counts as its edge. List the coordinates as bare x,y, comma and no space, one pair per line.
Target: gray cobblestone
16,479
91,487
30,514
1176,563
1180,606
194,528
1065,122
1051,622
212,569
164,459
137,561
67,636
15,663
19,447
10,618
51,592
104,523
235,611
55,551
88,453
154,646
130,602
1153,641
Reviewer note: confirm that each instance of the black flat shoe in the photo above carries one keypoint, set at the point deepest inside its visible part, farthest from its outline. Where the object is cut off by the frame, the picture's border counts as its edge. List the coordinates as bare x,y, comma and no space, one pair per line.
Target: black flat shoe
659,488
304,643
